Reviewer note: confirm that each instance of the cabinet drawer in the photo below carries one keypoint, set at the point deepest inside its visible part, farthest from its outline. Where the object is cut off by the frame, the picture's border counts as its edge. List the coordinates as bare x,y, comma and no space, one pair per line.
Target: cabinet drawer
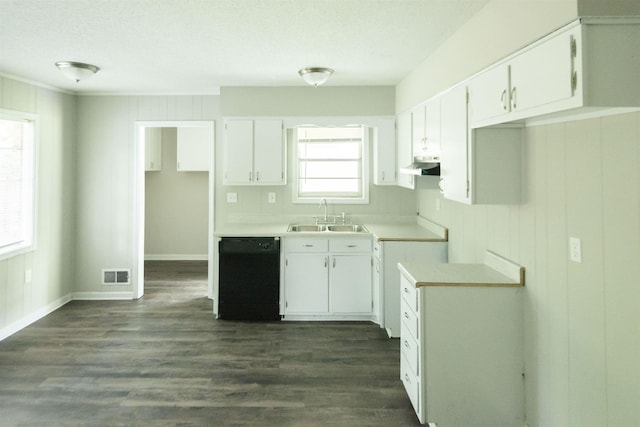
350,245
409,319
409,349
411,384
409,293
306,245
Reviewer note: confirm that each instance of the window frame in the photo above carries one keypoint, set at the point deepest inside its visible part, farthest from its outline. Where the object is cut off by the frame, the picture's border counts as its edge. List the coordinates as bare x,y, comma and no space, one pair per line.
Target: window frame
28,243
331,197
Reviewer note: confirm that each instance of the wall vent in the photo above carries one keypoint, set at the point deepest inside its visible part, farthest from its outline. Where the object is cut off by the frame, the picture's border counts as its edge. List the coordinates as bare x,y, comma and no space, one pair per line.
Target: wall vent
117,276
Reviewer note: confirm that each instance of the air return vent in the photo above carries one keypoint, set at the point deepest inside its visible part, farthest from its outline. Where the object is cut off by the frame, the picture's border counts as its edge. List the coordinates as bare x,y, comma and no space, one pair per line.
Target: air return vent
115,277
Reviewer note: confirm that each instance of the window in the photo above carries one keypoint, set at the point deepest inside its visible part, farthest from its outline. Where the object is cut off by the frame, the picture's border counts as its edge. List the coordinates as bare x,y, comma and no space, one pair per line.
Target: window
331,163
17,170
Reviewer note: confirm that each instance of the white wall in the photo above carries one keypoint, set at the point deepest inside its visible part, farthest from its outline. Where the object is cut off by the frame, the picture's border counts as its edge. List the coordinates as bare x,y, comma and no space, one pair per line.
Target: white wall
582,321
176,208
105,182
322,101
52,262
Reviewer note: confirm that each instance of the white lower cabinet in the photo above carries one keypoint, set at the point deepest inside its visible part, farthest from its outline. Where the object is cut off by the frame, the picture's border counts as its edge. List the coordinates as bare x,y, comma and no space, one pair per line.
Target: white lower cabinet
328,278
387,255
461,354
306,288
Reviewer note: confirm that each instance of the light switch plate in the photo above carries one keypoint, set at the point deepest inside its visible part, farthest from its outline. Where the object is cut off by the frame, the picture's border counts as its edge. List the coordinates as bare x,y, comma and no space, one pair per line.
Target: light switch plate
232,197
271,197
575,249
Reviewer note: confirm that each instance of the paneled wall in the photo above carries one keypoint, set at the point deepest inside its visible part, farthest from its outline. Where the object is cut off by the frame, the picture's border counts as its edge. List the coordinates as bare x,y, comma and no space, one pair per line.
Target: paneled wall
52,262
582,320
105,185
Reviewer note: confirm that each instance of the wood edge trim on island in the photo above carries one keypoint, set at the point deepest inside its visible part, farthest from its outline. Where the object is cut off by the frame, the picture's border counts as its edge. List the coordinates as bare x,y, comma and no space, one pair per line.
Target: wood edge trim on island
470,285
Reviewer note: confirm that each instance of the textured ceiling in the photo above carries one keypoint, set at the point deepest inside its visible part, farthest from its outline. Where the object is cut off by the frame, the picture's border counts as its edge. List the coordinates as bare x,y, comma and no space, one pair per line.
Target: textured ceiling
197,46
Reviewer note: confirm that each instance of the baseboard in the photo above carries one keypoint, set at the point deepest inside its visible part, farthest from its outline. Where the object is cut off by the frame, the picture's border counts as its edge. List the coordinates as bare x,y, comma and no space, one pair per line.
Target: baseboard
33,317
176,257
107,296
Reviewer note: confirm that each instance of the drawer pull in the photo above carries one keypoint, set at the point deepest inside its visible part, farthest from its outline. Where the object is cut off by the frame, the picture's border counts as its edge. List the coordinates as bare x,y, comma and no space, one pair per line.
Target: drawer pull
308,246
352,246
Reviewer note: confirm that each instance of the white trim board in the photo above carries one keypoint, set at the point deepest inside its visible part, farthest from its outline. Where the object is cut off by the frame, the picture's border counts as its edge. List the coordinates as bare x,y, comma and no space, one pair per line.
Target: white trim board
175,257
34,317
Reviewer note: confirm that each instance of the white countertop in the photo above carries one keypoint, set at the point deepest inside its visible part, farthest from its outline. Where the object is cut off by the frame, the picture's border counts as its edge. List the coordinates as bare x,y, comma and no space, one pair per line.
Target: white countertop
495,272
420,231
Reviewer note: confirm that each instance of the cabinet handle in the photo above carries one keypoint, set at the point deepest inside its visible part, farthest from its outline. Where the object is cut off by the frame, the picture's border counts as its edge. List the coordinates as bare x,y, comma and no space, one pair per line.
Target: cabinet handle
406,290
406,315
503,100
406,378
383,178
308,246
513,98
334,262
406,344
257,176
325,262
352,246
250,175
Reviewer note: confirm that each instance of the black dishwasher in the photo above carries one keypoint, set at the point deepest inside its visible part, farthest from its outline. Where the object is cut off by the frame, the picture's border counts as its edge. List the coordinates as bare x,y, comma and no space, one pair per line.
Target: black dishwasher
249,278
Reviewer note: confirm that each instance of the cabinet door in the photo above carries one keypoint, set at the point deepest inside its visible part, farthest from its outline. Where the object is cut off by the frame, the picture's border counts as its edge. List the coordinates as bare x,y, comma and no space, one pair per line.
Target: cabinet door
350,284
384,153
194,149
306,283
454,169
418,130
432,127
268,152
542,75
489,94
238,152
404,150
153,149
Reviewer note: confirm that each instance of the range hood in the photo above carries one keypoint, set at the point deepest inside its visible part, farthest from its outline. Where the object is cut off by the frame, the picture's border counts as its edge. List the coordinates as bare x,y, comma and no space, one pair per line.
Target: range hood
423,165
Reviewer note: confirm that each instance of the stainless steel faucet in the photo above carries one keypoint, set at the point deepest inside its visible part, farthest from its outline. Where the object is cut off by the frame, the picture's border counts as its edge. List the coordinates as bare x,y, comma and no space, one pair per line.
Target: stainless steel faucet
323,202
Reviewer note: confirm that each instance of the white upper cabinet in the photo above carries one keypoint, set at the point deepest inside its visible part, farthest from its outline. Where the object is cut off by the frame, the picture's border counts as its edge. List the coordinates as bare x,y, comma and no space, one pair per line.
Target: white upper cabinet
425,129
153,149
254,152
585,69
454,179
404,150
532,79
268,152
384,152
194,149
477,166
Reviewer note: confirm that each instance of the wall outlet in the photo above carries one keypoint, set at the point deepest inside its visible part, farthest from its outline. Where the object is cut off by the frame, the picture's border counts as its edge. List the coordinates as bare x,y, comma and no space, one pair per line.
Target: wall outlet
575,249
232,197
271,197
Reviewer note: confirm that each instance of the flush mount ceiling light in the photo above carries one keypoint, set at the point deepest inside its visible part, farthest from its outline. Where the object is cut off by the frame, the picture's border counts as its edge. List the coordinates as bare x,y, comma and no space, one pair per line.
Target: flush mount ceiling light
77,70
315,76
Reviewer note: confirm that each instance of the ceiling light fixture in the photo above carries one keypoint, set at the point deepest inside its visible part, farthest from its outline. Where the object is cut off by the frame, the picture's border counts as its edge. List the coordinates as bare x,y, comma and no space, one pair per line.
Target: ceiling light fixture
77,70
315,76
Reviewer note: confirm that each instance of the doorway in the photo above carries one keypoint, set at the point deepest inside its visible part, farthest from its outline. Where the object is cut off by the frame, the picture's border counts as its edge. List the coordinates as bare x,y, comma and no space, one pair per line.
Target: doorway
141,165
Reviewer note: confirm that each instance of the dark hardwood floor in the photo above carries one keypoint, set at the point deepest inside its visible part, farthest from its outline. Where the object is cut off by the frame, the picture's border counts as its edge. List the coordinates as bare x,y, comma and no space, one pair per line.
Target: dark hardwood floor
165,360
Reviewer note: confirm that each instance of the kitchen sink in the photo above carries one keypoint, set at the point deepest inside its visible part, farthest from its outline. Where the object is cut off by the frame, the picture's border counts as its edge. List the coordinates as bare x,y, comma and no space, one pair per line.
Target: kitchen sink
307,227
352,228
318,228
